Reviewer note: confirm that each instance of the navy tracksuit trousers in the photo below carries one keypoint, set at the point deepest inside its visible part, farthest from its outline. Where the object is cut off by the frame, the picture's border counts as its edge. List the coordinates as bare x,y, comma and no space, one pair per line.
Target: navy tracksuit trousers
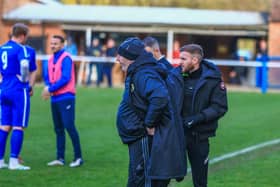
63,113
139,153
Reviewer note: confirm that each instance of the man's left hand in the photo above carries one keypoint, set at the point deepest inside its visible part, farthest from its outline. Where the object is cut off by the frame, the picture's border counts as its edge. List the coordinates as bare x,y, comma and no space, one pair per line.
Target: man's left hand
30,90
191,121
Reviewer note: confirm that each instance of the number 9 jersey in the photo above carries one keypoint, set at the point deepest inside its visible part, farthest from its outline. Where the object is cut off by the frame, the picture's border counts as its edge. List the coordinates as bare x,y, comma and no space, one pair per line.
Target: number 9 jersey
11,55
15,99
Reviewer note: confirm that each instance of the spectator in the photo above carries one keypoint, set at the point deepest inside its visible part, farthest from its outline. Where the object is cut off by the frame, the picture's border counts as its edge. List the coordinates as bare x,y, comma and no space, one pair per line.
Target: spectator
71,47
238,74
96,51
107,67
176,49
262,56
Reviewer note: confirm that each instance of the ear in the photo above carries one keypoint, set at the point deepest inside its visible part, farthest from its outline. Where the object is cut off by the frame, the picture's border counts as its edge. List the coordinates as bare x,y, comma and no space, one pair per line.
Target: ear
195,60
156,50
22,37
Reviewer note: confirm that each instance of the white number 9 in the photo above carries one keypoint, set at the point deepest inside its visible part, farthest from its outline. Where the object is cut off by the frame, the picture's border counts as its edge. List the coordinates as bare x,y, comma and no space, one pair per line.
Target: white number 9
4,58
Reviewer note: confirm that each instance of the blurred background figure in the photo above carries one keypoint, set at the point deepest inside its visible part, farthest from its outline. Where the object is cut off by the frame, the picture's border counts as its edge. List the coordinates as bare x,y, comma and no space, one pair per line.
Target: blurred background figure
176,49
111,51
176,53
262,56
71,47
238,74
96,51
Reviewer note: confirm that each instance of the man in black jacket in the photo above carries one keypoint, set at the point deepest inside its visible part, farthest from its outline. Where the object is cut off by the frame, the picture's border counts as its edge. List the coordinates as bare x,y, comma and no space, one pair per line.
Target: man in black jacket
205,101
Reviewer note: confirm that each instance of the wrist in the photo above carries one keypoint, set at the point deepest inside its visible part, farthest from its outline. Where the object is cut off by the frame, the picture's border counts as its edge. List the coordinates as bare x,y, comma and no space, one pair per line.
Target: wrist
200,118
49,89
149,126
30,88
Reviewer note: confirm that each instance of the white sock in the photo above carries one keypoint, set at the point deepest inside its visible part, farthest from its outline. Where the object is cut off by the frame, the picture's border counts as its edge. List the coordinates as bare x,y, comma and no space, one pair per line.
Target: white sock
13,161
2,161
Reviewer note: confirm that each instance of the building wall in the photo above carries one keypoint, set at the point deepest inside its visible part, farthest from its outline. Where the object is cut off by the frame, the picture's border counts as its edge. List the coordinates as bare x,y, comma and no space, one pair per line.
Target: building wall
274,50
274,29
35,30
274,38
40,29
12,4
45,30
5,6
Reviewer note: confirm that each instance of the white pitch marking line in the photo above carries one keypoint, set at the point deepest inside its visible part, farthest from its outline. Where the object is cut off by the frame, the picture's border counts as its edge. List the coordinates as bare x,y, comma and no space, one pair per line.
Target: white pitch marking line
243,151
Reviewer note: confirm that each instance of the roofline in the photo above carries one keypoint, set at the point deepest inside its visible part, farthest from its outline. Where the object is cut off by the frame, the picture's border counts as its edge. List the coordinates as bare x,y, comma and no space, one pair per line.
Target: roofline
49,2
153,25
164,29
256,26
5,17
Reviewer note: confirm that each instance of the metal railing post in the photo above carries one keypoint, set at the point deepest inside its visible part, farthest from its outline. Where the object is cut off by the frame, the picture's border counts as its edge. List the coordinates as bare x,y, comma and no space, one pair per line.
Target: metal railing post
264,76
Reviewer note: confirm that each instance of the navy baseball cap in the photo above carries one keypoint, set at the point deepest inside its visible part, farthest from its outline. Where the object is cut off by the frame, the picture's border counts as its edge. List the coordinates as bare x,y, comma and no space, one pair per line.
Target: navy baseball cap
131,48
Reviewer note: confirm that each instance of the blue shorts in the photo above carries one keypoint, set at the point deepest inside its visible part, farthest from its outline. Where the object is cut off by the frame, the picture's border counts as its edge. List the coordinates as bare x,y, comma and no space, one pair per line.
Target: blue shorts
15,107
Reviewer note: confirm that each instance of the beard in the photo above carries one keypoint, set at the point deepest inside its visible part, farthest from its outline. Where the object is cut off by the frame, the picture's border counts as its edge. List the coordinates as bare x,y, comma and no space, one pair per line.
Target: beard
188,68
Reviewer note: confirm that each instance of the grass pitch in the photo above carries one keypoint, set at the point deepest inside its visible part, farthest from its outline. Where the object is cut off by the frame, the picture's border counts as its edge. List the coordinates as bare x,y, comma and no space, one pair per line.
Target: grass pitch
252,118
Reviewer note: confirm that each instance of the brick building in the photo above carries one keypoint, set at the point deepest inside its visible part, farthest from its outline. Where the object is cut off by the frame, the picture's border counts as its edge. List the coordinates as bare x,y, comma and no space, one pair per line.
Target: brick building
220,33
274,39
39,31
274,29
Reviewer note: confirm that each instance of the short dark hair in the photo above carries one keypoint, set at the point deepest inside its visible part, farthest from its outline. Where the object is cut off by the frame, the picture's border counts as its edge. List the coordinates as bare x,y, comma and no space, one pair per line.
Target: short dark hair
151,42
19,29
61,38
194,49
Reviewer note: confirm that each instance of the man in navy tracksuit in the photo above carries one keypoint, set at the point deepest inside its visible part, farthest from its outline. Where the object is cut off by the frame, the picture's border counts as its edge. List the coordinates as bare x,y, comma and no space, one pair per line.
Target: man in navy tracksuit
60,86
145,120
205,101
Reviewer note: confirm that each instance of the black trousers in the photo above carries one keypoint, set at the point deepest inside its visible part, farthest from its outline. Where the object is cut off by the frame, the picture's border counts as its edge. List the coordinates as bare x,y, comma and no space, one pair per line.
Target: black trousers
198,151
160,183
139,154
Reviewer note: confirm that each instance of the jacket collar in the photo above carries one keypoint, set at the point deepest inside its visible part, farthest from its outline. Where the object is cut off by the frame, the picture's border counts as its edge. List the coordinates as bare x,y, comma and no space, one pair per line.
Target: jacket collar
144,59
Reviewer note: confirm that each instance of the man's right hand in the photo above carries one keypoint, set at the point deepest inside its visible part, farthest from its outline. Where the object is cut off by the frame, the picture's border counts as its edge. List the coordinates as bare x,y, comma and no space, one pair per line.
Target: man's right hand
150,131
45,93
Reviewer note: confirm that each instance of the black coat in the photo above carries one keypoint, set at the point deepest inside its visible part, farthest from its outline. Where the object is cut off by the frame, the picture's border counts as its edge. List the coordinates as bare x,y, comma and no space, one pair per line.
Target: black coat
146,102
209,99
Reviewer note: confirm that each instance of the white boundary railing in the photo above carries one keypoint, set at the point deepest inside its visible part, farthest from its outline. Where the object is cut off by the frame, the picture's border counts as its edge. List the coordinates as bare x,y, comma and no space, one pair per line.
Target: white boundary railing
224,62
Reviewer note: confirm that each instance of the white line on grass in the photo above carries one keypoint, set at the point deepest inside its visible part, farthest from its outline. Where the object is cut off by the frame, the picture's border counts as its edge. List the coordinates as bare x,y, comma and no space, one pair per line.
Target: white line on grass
243,151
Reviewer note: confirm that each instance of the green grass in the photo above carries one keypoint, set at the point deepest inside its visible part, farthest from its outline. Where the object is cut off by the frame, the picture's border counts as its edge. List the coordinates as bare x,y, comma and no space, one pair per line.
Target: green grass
252,119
